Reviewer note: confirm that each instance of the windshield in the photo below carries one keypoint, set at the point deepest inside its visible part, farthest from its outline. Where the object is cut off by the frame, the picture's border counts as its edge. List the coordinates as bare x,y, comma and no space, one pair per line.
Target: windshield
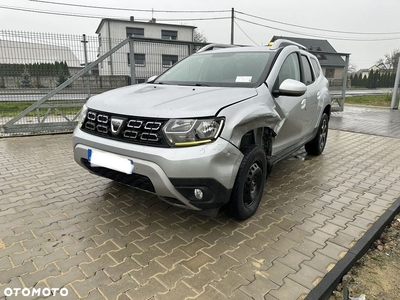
232,69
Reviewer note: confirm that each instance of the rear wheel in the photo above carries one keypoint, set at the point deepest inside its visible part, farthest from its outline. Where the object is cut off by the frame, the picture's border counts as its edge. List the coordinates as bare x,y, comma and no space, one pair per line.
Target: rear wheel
249,184
317,145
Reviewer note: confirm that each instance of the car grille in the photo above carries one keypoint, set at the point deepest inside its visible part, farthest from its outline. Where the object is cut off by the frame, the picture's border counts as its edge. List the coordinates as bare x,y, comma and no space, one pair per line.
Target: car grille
129,129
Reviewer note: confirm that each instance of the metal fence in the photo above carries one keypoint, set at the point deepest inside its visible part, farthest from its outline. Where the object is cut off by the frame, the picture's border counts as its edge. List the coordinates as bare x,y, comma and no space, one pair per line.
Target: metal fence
46,78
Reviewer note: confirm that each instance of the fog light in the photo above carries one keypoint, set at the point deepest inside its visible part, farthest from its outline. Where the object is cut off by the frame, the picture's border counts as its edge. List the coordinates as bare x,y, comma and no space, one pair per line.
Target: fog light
198,194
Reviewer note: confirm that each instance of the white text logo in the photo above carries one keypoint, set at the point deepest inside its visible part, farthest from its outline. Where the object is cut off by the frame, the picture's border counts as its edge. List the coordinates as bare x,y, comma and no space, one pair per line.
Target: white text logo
46,292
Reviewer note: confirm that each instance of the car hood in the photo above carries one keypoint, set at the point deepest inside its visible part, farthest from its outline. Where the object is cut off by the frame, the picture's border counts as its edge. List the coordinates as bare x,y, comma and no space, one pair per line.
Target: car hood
169,101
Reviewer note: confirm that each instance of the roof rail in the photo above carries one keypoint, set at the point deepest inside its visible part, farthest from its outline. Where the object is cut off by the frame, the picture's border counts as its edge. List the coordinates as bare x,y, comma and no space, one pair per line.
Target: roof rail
215,47
279,43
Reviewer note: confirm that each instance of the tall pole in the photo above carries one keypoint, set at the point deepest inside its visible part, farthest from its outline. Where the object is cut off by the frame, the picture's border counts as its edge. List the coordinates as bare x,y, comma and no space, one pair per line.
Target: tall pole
396,87
344,85
232,25
84,41
132,61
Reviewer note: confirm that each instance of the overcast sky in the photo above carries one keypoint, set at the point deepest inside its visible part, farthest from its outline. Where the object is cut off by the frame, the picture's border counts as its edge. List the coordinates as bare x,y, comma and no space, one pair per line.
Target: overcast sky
379,19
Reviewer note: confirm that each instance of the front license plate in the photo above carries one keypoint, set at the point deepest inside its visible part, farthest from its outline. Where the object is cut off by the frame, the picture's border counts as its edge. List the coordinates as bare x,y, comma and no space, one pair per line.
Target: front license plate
110,161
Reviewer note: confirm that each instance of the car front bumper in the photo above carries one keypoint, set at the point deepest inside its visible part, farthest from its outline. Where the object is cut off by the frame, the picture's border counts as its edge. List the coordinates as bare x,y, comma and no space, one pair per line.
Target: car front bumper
170,173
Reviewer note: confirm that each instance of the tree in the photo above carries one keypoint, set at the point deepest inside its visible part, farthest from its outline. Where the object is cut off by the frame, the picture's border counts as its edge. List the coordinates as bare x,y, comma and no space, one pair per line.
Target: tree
390,60
61,78
352,68
199,37
26,80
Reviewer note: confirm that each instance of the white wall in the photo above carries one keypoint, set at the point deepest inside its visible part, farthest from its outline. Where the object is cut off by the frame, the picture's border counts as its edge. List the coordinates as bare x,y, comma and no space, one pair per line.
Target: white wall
118,63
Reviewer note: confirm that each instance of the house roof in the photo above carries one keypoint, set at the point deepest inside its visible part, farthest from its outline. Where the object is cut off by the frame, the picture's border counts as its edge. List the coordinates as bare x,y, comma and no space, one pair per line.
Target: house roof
326,60
13,52
138,23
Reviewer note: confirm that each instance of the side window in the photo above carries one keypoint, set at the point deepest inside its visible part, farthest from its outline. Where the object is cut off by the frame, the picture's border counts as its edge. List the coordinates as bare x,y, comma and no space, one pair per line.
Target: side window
169,34
330,72
135,32
169,60
316,67
290,69
308,73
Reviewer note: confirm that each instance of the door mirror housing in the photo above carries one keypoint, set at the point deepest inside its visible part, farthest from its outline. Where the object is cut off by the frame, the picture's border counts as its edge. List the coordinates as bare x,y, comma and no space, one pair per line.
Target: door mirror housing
151,79
291,87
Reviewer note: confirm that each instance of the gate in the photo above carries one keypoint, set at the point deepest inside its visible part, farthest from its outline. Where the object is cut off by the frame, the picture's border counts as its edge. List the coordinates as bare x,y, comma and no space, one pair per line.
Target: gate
46,96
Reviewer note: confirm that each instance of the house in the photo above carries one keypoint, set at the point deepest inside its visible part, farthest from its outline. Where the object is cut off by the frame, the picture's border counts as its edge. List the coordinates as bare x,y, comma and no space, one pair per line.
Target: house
151,58
332,65
382,70
17,57
15,52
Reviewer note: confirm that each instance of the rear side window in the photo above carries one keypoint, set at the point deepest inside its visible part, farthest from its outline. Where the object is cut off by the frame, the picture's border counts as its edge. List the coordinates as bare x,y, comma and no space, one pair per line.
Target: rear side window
308,73
316,67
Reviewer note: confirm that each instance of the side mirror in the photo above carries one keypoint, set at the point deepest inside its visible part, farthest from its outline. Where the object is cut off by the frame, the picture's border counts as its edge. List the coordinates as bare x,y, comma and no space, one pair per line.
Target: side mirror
151,79
290,87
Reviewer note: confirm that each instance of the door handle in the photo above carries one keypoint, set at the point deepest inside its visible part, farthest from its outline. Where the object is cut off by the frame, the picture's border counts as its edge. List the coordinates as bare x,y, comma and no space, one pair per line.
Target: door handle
303,104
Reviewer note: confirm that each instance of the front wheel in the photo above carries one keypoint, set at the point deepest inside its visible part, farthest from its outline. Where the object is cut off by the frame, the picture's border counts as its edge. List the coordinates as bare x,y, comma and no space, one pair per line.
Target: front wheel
317,145
249,184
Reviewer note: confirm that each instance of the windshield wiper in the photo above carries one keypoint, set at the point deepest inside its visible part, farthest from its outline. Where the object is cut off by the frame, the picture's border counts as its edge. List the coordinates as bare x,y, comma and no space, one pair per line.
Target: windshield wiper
194,84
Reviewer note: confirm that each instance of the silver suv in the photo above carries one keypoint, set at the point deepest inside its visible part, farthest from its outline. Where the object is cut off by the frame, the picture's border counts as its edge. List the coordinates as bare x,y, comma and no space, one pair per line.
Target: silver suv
207,131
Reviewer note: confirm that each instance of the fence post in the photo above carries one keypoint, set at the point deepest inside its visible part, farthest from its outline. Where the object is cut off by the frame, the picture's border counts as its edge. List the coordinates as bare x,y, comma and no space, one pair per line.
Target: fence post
132,61
84,41
344,85
396,88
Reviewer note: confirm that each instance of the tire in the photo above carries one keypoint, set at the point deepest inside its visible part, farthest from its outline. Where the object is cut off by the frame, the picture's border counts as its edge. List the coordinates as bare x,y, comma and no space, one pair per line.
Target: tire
249,184
317,145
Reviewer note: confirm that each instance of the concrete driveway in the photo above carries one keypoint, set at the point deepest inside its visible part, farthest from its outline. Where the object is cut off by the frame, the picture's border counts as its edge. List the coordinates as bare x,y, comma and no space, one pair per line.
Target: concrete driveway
66,231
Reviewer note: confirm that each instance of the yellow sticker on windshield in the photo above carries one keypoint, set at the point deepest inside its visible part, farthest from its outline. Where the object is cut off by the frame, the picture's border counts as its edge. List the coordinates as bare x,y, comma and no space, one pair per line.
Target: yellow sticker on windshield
243,78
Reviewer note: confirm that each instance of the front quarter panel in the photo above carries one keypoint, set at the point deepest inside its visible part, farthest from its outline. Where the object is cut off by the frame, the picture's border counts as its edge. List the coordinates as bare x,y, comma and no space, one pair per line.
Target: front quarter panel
250,114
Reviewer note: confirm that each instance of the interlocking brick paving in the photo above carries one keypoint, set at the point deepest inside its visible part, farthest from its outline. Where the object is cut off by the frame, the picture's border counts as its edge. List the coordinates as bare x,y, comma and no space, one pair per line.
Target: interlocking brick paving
61,227
377,121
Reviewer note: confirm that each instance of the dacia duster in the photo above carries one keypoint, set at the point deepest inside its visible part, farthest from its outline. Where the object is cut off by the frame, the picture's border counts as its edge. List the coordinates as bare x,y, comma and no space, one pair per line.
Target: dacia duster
207,131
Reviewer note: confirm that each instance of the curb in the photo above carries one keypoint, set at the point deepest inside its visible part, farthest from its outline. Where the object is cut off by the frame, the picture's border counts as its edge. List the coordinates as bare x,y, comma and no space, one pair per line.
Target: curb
330,281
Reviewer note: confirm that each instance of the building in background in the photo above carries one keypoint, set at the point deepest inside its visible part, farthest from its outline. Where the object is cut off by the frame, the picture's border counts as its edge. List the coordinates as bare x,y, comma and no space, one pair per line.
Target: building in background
332,65
22,52
150,58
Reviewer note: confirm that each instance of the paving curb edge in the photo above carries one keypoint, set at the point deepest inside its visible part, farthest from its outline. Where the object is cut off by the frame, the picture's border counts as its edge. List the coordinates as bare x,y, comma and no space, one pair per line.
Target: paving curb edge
330,281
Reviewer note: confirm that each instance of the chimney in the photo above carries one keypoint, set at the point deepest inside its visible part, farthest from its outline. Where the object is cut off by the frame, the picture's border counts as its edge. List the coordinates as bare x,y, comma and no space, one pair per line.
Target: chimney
132,18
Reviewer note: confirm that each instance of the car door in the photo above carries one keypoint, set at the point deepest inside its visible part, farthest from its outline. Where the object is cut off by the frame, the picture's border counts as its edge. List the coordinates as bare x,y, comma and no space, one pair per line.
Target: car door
310,111
290,108
321,85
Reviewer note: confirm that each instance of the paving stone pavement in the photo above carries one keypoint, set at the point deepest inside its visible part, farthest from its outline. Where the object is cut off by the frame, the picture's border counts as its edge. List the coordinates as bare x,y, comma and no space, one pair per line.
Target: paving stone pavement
61,227
371,120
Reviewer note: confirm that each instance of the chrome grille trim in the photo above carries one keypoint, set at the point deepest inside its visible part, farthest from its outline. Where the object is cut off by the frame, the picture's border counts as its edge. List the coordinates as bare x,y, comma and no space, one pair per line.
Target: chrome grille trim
91,116
130,134
102,128
134,130
146,136
152,125
102,118
135,124
90,125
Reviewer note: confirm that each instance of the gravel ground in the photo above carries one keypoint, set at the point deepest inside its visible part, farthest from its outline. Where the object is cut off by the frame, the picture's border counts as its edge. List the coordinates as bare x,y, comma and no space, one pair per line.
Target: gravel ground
377,274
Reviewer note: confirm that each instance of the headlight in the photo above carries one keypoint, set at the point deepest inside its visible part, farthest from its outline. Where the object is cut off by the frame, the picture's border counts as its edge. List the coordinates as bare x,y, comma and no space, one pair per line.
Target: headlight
82,115
190,132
